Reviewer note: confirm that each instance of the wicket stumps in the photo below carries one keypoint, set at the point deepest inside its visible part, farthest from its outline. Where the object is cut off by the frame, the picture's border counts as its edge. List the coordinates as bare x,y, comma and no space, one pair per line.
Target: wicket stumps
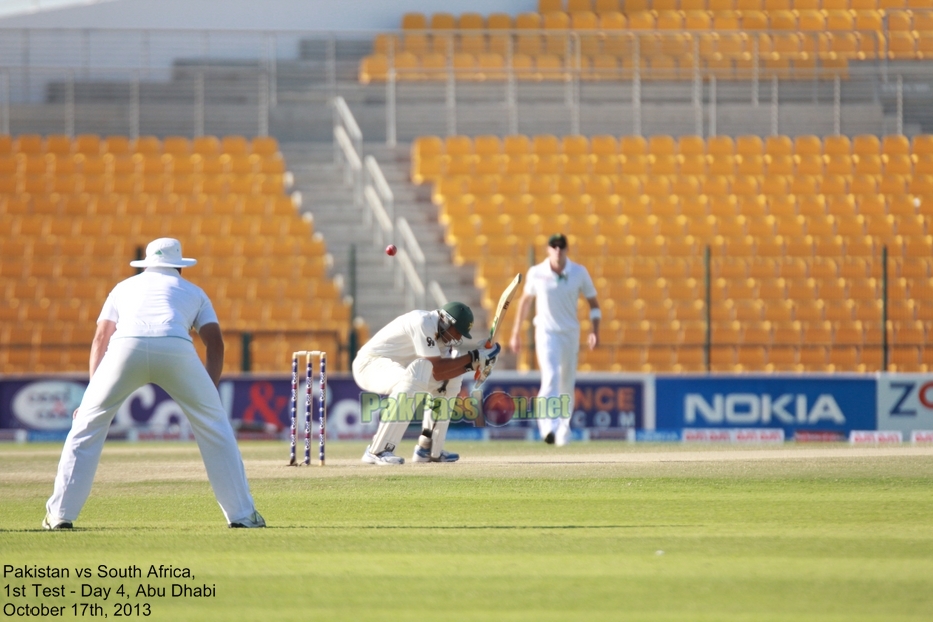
322,404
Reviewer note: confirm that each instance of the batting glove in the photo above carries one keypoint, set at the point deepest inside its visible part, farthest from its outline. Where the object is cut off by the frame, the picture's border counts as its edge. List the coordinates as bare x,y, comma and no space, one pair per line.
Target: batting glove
483,357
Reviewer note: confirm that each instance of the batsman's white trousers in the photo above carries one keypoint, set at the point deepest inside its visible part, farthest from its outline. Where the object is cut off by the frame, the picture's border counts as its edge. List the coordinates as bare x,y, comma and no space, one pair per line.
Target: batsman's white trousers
557,360
173,364
386,377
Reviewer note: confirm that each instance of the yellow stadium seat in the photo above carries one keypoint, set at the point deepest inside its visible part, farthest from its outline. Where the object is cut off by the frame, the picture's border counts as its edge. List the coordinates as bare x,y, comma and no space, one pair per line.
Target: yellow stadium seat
661,145
634,165
722,165
604,67
697,20
670,20
839,165
893,184
386,44
924,164
779,146
545,145
899,20
808,165
28,144
895,145
726,19
898,164
808,145
556,43
692,165
780,165
434,66
921,185
745,186
868,165
414,21
641,20
662,165
749,146
834,184
606,6
901,45
516,145
374,68
442,21
633,146
58,144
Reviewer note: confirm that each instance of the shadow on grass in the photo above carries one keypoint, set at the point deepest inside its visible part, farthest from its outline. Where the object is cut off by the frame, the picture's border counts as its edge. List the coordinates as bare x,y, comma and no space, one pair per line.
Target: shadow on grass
481,527
370,527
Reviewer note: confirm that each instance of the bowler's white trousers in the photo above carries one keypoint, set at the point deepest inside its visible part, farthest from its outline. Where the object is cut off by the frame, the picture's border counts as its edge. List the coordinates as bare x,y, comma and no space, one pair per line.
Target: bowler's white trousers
557,359
173,364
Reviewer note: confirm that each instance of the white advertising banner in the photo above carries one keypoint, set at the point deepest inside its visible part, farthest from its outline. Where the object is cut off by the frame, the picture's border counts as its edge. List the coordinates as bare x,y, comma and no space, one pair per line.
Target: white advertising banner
905,402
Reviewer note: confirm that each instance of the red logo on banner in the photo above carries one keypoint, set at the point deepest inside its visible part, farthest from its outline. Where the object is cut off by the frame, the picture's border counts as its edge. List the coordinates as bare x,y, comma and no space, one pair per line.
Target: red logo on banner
260,396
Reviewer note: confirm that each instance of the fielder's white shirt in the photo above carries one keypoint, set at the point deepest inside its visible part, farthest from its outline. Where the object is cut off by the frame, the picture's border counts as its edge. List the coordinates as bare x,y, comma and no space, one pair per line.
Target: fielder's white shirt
407,338
556,295
157,303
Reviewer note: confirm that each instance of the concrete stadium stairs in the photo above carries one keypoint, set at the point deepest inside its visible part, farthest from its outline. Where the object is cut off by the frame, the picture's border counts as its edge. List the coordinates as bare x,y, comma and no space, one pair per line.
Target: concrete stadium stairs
325,196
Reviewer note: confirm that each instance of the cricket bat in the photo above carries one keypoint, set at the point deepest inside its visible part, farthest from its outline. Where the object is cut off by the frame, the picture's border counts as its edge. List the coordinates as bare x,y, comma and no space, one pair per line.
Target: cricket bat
504,301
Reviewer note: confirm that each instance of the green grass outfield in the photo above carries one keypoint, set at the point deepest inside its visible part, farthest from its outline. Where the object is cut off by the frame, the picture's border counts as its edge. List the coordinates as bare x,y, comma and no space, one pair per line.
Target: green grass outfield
515,531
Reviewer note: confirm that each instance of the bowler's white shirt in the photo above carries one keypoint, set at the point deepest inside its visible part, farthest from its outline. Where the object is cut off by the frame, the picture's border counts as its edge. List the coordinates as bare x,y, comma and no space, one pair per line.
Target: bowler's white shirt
556,294
157,303
408,337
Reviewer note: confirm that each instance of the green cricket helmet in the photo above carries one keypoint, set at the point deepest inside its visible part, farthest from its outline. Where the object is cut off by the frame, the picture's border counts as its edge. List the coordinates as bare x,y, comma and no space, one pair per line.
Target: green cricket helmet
460,317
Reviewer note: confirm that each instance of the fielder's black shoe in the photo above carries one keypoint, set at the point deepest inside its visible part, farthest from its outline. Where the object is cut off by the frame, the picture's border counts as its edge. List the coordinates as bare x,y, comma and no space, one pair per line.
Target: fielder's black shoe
252,521
549,439
56,523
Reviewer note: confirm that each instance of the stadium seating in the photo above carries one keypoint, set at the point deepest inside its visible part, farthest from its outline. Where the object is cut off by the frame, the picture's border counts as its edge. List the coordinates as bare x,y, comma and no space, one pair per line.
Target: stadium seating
796,250
790,40
74,212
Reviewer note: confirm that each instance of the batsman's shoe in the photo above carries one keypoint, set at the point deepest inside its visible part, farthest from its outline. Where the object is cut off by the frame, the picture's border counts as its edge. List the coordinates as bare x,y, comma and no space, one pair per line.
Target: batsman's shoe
56,523
382,459
253,521
421,454
424,455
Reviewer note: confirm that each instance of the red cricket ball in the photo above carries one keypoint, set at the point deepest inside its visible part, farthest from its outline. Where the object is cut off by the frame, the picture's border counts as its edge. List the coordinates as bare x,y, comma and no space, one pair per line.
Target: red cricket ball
498,408
391,250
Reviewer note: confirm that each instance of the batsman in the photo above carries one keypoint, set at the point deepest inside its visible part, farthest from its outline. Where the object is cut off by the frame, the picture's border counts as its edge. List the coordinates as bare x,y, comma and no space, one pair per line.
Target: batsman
416,357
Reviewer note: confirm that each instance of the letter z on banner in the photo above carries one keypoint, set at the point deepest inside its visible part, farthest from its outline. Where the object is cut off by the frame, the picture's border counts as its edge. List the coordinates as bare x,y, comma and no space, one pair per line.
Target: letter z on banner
905,402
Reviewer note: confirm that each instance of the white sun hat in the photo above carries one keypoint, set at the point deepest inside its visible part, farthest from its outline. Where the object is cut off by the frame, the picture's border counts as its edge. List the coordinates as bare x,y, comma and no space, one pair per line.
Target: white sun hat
164,253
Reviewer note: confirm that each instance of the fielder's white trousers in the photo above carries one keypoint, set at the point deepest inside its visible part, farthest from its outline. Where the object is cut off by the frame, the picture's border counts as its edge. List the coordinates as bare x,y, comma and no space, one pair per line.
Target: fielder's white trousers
173,364
557,360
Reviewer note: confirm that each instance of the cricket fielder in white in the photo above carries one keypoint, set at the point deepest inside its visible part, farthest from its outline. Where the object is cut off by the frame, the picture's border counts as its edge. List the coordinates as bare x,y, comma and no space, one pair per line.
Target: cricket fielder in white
415,355
555,284
143,336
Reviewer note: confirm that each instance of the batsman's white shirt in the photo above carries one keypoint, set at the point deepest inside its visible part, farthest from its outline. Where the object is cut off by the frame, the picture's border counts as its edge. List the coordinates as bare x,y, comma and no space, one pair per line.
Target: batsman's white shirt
394,359
556,295
408,337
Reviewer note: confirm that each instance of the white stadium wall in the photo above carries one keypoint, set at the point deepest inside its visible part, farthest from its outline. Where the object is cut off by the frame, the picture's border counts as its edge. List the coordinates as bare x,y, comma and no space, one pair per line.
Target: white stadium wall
335,15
